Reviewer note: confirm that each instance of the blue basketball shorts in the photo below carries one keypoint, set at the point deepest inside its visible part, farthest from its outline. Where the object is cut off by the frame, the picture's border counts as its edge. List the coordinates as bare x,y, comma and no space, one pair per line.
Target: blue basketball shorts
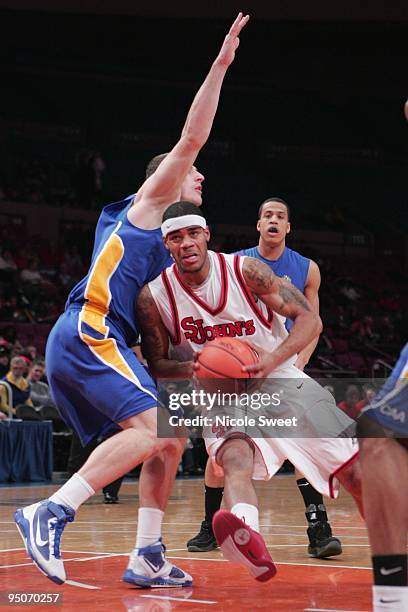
96,382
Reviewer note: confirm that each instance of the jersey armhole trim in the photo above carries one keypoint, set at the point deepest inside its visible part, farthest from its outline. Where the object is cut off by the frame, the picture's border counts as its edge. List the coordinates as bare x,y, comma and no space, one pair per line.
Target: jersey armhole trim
175,338
249,297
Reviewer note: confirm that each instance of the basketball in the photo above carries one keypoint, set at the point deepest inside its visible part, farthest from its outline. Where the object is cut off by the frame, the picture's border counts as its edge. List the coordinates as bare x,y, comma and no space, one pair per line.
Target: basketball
224,358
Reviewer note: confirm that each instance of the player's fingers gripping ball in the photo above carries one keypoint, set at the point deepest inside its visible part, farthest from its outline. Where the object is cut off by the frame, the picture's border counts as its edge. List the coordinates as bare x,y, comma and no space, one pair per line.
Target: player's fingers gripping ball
219,365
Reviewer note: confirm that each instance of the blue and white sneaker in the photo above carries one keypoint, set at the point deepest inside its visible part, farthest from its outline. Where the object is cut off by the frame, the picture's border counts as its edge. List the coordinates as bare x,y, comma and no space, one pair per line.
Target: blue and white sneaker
149,568
41,526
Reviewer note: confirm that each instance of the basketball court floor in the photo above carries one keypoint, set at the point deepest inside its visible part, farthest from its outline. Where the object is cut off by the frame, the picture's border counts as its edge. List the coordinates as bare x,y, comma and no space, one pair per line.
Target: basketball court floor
95,549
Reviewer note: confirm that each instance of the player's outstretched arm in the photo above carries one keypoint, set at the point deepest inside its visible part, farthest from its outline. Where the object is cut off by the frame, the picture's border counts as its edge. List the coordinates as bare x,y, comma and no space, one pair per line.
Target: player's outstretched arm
281,297
155,340
202,102
164,186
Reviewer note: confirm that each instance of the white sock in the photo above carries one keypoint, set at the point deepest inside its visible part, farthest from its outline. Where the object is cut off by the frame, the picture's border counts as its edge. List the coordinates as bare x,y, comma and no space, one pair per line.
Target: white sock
393,598
73,493
149,526
247,513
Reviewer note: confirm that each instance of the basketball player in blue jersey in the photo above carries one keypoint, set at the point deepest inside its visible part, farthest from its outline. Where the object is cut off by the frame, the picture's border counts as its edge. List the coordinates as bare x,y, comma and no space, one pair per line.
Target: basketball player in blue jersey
97,382
383,437
273,226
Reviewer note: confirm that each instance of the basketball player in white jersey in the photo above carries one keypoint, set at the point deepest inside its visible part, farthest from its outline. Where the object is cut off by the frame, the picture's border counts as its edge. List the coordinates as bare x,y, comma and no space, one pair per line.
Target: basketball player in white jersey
273,225
205,295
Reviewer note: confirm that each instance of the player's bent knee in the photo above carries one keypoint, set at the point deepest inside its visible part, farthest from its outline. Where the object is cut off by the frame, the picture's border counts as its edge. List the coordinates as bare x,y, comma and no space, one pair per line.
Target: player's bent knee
173,445
236,456
145,421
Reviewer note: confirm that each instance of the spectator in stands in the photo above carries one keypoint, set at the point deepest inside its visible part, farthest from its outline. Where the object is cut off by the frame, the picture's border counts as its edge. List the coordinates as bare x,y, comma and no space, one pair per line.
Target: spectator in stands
20,387
40,393
26,357
31,351
369,394
31,273
349,404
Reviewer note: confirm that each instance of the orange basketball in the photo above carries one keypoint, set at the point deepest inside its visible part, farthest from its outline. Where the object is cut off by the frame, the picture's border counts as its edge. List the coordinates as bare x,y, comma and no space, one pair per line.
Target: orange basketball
224,358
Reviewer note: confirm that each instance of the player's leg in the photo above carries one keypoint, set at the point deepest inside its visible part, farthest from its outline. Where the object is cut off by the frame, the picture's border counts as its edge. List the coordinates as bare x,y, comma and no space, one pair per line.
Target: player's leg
384,464
350,478
96,395
322,543
147,565
213,492
158,475
113,458
386,503
237,529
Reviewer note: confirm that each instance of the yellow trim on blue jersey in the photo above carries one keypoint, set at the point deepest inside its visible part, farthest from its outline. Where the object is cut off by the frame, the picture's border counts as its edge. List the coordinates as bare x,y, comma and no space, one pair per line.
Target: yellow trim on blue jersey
97,292
95,309
107,351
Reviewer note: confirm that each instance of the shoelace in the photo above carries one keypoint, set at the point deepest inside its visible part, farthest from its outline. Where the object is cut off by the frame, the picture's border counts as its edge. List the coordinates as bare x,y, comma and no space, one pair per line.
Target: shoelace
56,528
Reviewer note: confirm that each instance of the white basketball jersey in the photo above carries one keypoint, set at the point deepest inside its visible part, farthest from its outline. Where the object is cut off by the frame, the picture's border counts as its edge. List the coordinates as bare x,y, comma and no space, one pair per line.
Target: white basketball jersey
222,306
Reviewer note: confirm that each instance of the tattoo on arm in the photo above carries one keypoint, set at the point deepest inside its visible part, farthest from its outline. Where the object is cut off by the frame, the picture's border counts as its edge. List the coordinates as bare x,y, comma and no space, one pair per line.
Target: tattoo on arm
291,295
259,277
154,335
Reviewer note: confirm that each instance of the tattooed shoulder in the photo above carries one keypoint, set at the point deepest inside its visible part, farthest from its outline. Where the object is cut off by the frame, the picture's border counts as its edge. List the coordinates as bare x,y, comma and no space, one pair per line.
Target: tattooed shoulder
257,274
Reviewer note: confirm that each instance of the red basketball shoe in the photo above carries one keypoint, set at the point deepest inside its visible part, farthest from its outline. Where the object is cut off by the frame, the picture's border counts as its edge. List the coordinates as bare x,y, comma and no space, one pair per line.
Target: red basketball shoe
241,544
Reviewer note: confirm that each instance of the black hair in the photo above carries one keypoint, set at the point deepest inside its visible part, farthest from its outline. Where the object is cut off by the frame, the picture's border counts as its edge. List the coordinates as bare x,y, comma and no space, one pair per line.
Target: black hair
154,164
273,199
179,209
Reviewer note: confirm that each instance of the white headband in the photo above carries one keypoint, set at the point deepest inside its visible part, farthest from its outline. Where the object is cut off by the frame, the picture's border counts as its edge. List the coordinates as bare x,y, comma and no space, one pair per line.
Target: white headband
176,223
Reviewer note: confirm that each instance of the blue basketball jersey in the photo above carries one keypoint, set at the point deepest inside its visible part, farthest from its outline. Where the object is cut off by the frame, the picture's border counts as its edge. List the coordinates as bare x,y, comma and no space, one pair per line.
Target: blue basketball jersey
290,265
124,259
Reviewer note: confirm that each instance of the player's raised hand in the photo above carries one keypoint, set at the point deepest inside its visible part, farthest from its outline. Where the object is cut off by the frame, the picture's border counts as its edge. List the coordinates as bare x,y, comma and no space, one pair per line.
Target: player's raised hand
231,41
